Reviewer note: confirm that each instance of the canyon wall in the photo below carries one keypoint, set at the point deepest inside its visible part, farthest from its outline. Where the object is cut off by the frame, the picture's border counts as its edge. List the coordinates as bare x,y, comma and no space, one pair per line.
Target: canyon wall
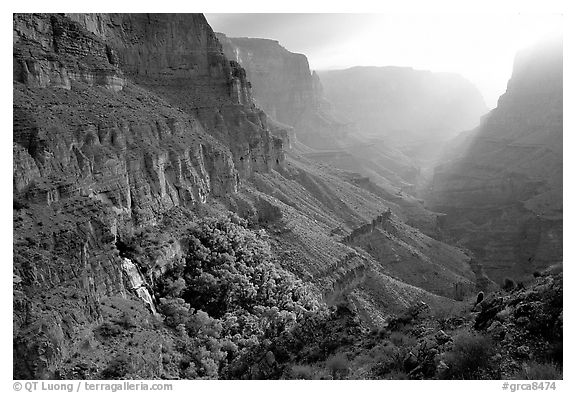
127,128
118,120
500,185
283,84
286,89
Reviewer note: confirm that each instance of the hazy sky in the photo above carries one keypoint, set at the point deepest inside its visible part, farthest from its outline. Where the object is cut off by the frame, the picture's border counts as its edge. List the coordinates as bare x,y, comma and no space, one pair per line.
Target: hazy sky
480,47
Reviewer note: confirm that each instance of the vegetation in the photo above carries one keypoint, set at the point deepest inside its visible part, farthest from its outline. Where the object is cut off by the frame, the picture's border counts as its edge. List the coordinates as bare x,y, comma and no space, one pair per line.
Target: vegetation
470,355
228,295
508,284
230,311
539,371
338,366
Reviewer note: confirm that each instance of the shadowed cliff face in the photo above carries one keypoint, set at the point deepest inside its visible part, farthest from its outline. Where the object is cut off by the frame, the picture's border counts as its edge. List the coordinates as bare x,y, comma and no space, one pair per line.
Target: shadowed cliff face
501,184
127,128
291,94
282,78
283,84
286,89
178,57
118,119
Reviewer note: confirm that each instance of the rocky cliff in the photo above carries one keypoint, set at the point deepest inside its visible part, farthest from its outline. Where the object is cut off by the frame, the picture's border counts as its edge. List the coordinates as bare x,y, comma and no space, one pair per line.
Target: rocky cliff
501,184
286,89
118,119
284,85
127,129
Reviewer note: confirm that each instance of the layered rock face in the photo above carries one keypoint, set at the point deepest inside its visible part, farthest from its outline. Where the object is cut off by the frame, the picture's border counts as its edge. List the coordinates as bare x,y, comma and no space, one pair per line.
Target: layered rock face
416,110
130,127
286,89
118,119
284,86
501,184
282,78
178,57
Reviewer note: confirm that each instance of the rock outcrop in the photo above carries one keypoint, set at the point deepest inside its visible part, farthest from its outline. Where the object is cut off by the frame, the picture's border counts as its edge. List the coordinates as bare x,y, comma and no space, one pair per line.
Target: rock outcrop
127,128
500,185
178,57
118,120
286,89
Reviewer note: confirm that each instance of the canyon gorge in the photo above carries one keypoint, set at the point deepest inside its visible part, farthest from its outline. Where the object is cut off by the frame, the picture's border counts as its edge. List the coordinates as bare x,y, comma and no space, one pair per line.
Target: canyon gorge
155,160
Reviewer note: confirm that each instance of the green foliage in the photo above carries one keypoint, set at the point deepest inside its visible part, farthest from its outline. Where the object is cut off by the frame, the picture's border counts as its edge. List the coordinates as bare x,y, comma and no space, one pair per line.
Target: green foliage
469,356
175,310
127,321
397,375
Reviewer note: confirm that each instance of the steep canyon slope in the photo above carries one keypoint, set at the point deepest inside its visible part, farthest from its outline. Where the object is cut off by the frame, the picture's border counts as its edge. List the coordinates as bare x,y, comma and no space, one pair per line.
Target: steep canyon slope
127,128
283,85
501,184
97,156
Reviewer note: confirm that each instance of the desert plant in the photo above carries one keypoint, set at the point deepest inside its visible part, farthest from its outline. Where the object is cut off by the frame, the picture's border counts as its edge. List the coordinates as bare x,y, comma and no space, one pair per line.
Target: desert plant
469,356
109,329
117,368
401,339
227,296
508,284
338,366
127,321
301,372
539,371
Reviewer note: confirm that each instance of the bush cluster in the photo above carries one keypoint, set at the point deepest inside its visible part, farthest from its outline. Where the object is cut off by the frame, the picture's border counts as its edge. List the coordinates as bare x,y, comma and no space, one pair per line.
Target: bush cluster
228,295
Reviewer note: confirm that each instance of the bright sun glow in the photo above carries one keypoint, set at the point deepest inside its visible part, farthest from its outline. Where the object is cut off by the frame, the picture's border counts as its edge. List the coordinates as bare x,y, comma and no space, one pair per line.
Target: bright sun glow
481,47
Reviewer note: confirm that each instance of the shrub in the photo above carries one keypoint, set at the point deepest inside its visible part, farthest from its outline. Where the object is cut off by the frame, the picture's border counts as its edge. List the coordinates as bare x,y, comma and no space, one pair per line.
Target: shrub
508,284
338,366
118,367
229,273
539,371
301,372
469,356
397,375
175,310
388,359
227,295
127,321
109,329
402,339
